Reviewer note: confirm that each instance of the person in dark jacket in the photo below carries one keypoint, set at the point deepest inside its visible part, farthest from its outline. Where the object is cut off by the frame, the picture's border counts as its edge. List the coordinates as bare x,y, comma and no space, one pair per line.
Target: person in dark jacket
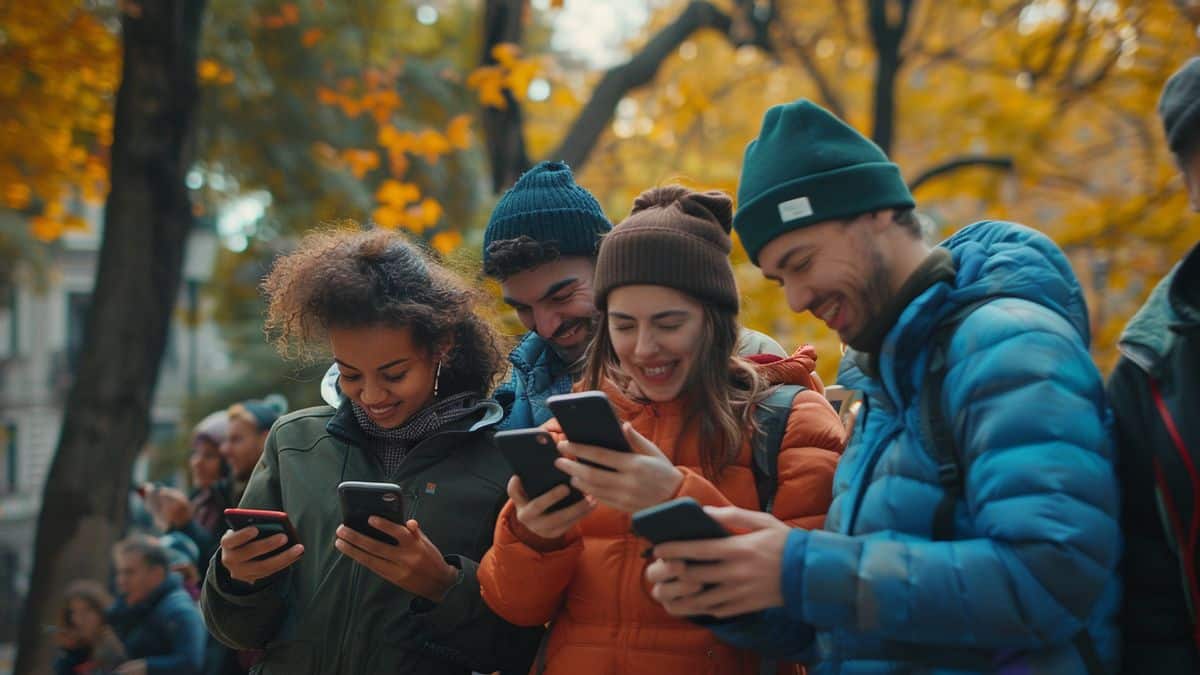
1016,573
89,645
1155,391
415,361
154,616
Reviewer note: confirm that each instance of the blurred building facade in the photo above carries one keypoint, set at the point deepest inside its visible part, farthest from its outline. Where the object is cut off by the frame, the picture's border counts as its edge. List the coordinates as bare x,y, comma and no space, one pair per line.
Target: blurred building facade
41,335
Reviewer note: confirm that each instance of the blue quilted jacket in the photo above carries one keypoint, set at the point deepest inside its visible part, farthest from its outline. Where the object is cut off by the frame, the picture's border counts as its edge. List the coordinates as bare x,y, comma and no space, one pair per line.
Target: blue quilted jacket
538,372
1037,542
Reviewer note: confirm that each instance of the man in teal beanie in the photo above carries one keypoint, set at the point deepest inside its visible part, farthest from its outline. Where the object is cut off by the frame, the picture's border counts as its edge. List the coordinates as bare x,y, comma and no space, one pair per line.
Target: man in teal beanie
540,244
973,527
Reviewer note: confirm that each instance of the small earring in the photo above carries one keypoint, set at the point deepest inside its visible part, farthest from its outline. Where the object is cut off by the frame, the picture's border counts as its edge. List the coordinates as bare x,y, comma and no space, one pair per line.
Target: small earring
436,377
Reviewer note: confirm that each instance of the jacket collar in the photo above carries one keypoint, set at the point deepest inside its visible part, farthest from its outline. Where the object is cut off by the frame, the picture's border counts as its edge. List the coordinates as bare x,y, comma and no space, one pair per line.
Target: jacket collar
1172,308
344,427
534,351
120,611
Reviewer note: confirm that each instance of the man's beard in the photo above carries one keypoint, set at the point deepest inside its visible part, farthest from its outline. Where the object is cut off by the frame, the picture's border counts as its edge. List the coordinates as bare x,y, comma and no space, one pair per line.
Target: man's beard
872,299
577,351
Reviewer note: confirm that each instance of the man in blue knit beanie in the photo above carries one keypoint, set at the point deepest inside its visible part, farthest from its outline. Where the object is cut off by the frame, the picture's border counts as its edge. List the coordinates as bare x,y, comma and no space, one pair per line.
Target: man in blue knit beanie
540,244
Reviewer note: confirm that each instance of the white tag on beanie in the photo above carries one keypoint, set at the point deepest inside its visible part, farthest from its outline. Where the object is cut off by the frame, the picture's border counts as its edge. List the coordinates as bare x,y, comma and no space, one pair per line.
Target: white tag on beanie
794,209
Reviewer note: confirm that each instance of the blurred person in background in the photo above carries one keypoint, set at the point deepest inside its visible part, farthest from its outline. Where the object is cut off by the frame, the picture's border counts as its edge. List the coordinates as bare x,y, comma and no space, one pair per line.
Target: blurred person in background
89,645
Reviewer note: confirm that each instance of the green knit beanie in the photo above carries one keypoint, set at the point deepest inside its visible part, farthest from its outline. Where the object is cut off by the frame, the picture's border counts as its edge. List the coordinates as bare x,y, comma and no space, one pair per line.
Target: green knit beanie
808,167
673,237
546,205
1179,106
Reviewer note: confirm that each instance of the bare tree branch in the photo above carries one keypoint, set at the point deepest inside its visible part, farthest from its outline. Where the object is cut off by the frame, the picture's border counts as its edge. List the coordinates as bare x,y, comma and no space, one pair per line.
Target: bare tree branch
585,131
829,95
1002,162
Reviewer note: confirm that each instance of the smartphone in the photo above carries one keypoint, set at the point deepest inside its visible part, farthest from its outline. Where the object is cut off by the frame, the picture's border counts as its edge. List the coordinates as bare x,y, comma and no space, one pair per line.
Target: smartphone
680,519
361,500
531,454
269,524
588,417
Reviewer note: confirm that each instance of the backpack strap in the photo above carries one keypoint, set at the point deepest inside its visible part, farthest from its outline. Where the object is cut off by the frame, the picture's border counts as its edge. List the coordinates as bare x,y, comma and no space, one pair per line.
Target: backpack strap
936,428
940,436
771,417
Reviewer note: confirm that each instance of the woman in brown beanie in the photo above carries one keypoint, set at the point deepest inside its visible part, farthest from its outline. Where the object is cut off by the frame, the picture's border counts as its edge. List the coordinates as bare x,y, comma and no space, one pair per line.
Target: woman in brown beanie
665,354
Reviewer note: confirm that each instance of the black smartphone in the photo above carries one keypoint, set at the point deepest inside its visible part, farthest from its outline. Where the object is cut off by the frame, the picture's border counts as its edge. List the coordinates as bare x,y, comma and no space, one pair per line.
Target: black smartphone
361,500
269,524
588,417
531,454
680,519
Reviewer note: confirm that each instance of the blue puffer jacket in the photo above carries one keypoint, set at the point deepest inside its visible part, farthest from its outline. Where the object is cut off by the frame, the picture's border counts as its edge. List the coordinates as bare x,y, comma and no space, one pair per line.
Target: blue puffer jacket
538,372
165,629
1037,542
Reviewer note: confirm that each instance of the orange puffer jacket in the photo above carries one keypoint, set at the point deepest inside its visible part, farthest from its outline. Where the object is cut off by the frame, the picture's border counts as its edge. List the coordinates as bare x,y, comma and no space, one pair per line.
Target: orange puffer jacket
592,588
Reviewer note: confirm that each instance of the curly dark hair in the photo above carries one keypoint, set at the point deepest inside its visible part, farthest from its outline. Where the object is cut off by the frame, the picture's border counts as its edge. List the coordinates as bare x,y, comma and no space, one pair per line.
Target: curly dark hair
508,257
342,278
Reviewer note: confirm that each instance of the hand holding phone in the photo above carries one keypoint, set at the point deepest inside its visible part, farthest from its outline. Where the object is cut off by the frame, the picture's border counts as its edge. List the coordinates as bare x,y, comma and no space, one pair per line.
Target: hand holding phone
588,418
360,500
531,454
258,544
680,519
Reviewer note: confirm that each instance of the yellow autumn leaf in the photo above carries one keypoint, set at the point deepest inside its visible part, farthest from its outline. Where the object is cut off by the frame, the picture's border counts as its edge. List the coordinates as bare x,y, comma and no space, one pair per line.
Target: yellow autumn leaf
387,217
506,53
208,70
431,145
396,194
446,242
17,195
458,132
360,161
45,229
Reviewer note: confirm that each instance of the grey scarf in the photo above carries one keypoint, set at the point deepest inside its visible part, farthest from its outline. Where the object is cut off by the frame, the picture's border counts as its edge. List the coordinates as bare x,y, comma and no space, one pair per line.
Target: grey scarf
391,445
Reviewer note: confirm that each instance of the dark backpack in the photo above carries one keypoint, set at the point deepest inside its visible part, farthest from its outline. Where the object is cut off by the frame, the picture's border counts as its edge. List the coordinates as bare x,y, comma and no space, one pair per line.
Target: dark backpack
771,416
942,447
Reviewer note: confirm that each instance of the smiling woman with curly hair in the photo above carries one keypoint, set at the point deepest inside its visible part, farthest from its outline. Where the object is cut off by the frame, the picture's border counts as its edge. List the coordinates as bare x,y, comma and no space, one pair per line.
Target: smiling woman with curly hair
415,363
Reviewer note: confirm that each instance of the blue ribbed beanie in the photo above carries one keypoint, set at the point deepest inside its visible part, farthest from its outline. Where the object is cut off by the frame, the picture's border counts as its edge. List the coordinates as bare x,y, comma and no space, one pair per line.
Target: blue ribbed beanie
546,205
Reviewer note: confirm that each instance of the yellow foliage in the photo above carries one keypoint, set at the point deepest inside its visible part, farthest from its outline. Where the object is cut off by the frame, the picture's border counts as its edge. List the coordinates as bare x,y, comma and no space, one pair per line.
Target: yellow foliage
458,132
397,195
446,242
360,161
59,68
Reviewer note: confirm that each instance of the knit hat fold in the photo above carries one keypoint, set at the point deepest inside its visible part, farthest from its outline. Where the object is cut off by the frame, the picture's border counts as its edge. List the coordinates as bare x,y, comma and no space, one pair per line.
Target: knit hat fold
673,237
546,205
807,167
1179,105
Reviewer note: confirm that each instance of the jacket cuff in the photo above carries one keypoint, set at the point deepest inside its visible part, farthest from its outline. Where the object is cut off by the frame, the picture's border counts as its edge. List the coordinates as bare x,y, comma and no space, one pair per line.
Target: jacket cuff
461,599
513,531
233,591
792,573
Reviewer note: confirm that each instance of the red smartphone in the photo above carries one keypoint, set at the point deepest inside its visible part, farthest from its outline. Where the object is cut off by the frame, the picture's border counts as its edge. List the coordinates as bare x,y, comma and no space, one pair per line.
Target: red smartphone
269,524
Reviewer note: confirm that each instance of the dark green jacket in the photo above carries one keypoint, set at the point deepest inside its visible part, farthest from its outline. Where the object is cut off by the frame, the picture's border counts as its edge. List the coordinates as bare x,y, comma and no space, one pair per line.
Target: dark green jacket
1160,346
327,613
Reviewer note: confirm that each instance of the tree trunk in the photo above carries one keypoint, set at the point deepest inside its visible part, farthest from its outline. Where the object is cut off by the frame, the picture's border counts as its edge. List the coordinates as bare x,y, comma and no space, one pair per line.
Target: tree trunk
146,221
503,128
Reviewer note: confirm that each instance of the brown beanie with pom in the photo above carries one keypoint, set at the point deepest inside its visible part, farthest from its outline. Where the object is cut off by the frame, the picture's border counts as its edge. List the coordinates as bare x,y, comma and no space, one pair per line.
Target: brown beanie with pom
674,237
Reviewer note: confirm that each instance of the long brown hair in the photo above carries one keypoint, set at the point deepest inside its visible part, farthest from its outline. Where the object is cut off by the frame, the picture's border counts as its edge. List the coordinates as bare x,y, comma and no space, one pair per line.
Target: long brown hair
90,592
722,399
